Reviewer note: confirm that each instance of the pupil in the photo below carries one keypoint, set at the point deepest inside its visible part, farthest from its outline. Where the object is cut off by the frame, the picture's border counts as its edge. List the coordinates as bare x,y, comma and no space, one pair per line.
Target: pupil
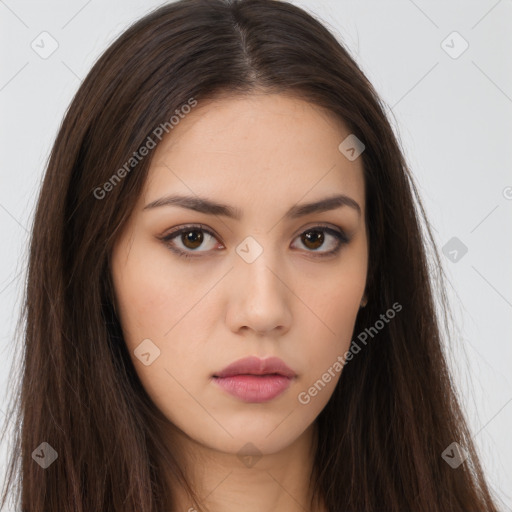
194,237
317,239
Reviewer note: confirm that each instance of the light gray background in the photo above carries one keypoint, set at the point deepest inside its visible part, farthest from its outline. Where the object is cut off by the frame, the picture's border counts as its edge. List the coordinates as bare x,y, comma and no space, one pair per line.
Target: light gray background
453,116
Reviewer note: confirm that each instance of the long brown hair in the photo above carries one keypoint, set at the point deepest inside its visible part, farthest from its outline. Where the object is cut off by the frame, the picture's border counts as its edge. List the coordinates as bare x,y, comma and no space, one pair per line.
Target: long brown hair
394,410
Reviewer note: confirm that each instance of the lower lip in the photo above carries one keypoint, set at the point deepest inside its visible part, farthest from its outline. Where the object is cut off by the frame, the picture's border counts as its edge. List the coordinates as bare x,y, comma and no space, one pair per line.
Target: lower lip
254,388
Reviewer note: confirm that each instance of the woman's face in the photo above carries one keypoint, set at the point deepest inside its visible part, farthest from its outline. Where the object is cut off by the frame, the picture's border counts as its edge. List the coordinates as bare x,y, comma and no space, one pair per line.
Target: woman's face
265,282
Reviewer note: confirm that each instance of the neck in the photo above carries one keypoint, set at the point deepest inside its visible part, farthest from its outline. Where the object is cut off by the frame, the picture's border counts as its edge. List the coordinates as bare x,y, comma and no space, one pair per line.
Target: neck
224,482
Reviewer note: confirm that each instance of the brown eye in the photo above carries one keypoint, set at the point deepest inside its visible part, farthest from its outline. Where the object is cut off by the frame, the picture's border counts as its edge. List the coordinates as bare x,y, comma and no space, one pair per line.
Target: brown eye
331,240
192,239
312,239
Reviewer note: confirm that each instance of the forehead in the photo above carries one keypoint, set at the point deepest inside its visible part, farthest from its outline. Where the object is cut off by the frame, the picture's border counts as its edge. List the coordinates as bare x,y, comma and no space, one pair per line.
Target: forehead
270,147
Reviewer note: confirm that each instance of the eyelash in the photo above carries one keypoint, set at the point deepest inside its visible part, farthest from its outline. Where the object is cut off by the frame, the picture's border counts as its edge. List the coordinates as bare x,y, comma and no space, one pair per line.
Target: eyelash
339,235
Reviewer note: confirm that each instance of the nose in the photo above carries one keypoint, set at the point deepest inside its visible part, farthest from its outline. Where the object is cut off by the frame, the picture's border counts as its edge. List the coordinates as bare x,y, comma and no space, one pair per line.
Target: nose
259,296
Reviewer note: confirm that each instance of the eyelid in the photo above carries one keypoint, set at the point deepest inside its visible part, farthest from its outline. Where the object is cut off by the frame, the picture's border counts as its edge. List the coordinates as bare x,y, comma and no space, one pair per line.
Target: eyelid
168,237
325,225
340,234
179,229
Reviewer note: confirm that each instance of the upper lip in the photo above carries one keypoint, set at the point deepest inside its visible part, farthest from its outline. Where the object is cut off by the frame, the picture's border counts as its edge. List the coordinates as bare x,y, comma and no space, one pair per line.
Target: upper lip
255,366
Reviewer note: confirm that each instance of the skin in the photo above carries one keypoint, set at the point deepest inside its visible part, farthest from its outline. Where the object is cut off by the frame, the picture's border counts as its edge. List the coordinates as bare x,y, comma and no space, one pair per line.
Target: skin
263,154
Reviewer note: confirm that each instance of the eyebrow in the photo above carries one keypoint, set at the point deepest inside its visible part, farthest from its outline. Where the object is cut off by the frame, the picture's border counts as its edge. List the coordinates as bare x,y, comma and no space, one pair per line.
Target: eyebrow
204,205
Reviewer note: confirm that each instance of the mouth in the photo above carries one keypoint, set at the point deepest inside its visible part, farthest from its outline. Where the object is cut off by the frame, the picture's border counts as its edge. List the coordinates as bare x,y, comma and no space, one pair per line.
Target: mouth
255,380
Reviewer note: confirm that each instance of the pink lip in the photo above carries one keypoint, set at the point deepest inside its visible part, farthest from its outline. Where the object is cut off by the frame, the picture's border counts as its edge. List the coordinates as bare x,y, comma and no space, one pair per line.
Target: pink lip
255,380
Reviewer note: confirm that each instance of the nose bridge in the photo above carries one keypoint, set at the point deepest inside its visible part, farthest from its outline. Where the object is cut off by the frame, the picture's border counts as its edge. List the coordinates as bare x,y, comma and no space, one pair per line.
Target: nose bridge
256,268
261,295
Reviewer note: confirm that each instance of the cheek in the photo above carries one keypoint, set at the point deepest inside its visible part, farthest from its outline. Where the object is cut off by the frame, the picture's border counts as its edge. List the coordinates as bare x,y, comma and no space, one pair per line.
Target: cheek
331,331
168,315
333,312
156,302
155,308
338,308
151,296
335,301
